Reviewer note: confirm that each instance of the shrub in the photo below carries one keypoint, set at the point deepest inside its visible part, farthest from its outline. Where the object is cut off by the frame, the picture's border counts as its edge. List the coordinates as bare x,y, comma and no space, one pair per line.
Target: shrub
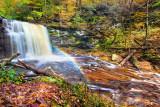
7,76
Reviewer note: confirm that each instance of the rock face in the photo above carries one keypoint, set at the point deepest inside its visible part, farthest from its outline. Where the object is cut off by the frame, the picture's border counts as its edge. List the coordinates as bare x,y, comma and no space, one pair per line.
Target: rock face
67,37
5,45
116,58
144,66
1,39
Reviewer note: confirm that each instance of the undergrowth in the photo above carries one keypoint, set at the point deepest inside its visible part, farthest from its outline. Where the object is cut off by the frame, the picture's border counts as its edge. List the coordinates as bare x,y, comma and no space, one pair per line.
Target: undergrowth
10,76
78,95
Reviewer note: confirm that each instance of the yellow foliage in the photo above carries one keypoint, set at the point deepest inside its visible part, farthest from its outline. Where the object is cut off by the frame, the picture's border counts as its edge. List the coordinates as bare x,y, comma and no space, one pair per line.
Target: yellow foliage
68,9
140,14
139,25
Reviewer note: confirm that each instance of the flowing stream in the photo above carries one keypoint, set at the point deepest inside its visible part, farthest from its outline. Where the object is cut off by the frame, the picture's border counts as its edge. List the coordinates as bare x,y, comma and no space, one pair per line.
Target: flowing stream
124,85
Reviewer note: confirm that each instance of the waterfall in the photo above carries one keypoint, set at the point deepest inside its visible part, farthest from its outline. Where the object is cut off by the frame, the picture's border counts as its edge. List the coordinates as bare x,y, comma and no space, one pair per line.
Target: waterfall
30,40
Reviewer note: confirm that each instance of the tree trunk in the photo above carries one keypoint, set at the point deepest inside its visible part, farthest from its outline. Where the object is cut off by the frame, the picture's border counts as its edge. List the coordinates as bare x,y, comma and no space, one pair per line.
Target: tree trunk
77,3
80,5
146,41
130,26
46,73
46,11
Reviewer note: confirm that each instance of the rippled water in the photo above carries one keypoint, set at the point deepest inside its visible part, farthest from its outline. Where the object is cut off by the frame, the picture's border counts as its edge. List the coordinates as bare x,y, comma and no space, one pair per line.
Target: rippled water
127,85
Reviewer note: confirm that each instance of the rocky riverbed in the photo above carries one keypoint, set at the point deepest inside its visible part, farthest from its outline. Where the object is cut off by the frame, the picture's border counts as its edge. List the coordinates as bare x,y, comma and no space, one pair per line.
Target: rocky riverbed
128,85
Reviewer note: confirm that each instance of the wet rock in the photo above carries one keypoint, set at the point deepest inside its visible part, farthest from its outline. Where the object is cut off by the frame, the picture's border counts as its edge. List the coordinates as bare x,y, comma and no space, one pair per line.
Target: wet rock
81,33
104,58
116,58
69,37
144,66
97,54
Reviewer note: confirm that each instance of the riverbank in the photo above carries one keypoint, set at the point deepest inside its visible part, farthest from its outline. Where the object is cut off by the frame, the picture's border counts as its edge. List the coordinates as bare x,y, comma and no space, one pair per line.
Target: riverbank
125,84
47,92
137,60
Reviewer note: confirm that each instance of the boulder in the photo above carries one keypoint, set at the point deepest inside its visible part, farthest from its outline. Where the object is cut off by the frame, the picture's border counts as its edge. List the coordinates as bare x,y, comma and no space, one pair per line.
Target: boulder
144,66
104,58
97,54
116,58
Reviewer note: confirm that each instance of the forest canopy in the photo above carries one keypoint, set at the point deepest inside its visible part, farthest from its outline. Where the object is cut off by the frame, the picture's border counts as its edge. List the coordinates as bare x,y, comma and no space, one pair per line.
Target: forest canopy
110,21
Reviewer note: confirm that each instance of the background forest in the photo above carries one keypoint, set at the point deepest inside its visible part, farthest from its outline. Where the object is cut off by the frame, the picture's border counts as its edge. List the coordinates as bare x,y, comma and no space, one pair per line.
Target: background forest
109,23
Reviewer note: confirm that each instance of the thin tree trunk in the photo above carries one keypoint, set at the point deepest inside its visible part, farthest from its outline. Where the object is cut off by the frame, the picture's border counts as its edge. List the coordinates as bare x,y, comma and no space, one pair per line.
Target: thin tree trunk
46,12
130,26
80,5
77,3
146,41
45,7
124,27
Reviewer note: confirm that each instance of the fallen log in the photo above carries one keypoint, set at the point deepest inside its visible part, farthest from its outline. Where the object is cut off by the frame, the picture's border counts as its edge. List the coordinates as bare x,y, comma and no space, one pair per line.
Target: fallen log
8,60
35,70
45,73
16,65
126,59
32,75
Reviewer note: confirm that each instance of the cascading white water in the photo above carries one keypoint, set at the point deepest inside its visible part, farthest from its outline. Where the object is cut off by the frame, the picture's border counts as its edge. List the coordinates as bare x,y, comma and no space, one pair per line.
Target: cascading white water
30,40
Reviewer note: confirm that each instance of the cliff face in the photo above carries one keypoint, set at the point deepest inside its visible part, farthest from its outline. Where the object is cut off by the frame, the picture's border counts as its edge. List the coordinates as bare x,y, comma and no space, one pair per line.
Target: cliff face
5,46
1,38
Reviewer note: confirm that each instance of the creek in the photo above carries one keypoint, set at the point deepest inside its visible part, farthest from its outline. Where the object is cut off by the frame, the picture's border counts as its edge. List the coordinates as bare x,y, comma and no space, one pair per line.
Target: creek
123,85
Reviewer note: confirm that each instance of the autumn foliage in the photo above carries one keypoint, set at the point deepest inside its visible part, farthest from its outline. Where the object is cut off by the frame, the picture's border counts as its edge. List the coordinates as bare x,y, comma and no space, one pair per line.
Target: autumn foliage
46,94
